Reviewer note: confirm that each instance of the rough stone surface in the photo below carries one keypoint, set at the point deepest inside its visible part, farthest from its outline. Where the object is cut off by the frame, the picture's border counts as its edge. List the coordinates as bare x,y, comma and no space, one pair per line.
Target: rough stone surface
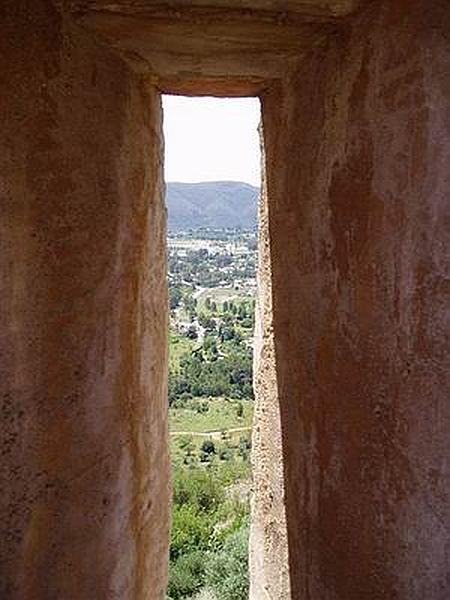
221,48
84,471
269,572
358,155
309,8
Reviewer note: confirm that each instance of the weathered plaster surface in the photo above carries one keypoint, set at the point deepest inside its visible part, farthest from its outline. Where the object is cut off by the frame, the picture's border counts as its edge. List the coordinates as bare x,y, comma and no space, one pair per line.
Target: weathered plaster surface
309,8
224,48
84,471
358,153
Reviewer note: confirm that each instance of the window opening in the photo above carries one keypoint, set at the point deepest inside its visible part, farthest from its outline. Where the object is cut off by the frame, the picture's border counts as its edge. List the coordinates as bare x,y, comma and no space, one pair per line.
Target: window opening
212,189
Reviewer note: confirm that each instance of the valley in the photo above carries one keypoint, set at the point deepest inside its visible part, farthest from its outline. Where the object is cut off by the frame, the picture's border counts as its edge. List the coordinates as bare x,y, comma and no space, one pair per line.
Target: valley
212,311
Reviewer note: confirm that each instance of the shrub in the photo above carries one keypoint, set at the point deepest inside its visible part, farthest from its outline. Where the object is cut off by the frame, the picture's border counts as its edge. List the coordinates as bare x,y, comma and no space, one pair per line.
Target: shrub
190,531
245,445
226,454
208,447
201,408
186,443
227,569
199,489
186,575
207,451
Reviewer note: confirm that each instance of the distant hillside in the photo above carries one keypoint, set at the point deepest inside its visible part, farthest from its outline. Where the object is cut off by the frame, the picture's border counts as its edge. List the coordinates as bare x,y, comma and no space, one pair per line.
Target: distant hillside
218,204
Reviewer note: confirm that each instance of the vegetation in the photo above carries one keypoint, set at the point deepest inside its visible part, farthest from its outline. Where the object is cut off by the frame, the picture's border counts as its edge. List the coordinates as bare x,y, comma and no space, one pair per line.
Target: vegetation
218,414
203,374
210,518
227,570
210,413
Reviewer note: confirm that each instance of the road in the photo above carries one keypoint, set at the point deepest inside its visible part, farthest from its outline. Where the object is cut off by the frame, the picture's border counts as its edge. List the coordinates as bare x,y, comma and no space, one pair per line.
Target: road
215,435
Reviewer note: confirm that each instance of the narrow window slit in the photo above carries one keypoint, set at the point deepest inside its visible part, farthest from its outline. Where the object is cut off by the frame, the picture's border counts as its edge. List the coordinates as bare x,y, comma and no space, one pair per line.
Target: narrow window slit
212,189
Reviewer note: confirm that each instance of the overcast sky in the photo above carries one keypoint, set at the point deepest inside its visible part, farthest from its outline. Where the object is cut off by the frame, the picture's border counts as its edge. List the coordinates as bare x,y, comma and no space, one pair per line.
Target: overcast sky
210,139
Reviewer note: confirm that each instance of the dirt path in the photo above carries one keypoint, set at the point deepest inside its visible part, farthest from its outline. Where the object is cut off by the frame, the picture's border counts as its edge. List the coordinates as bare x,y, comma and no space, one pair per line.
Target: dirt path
213,434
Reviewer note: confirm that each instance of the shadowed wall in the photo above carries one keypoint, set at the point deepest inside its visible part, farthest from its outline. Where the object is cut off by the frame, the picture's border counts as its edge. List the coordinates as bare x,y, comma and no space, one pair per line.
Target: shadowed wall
84,492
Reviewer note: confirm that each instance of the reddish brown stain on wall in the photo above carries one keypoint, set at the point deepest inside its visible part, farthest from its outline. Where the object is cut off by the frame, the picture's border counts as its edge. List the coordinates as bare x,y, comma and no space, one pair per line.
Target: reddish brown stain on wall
359,348
83,324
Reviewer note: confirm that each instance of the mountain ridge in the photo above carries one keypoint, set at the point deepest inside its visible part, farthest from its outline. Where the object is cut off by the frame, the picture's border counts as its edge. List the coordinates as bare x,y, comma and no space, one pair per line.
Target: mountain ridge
215,204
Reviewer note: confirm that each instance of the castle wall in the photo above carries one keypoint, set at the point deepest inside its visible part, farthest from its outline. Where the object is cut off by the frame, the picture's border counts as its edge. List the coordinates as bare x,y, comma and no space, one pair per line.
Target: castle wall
84,497
358,150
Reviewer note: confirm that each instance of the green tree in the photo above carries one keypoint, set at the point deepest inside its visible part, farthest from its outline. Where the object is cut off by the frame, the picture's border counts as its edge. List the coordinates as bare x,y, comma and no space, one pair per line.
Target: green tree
208,447
207,322
190,305
190,530
186,575
210,347
175,296
197,488
242,312
245,446
191,333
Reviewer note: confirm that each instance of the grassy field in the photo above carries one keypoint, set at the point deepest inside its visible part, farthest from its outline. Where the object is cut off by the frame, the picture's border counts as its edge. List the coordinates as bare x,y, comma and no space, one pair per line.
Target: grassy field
178,347
220,294
218,414
227,464
189,428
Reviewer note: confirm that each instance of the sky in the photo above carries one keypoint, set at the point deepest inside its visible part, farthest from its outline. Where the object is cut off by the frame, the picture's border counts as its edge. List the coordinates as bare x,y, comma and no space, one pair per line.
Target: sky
211,139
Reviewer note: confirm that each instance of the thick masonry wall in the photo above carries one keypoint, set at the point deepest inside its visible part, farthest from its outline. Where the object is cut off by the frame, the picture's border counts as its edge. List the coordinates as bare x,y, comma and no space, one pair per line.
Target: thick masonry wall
269,565
358,155
84,471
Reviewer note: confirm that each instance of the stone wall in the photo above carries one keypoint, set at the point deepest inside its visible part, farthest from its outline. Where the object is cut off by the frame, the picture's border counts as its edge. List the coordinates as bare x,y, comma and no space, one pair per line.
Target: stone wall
84,497
358,151
269,572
